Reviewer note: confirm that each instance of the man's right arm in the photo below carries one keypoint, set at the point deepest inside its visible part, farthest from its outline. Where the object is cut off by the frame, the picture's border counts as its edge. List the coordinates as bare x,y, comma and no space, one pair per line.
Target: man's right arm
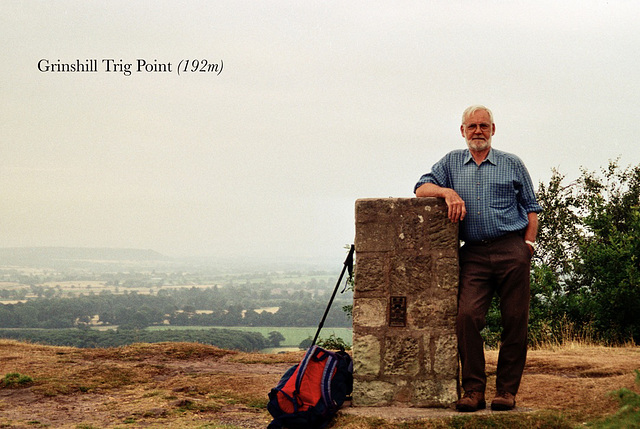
455,204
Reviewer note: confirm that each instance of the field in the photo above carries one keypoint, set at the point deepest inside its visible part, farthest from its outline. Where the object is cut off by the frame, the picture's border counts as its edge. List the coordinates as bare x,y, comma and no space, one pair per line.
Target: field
146,281
186,385
293,335
75,288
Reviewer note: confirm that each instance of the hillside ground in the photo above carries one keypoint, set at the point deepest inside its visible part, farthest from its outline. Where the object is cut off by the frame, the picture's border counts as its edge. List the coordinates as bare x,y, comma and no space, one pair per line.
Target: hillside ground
185,385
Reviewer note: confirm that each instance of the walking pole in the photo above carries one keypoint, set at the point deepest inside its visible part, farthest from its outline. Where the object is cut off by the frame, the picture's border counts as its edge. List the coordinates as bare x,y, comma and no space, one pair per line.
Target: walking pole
348,264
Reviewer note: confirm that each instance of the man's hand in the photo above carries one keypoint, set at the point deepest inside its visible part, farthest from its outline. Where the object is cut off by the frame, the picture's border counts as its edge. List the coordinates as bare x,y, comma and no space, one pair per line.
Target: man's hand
456,208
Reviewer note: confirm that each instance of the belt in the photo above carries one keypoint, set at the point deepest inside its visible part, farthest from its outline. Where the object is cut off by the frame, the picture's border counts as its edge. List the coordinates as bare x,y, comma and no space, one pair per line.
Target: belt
493,240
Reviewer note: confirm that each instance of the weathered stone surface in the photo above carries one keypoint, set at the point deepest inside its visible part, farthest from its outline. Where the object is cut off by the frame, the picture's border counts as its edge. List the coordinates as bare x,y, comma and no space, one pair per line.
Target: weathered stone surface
406,249
368,350
375,210
402,356
432,311
443,356
371,237
446,272
375,393
370,312
372,270
412,230
410,274
441,232
435,393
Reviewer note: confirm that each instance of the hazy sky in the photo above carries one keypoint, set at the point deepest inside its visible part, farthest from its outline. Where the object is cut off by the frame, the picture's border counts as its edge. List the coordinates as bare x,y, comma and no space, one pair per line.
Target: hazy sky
319,103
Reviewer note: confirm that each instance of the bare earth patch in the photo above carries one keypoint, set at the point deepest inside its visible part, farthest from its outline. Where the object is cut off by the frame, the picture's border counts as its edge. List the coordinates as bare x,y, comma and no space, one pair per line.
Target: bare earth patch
185,385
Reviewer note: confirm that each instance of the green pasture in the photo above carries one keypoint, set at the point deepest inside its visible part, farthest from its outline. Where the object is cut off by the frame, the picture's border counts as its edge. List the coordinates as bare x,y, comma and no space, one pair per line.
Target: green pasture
293,336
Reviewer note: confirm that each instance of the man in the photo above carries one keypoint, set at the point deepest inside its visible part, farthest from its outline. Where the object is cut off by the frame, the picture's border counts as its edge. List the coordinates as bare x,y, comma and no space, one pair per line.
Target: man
490,194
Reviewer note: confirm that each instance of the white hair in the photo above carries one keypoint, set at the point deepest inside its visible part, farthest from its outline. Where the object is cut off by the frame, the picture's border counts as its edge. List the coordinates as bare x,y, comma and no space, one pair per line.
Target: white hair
473,109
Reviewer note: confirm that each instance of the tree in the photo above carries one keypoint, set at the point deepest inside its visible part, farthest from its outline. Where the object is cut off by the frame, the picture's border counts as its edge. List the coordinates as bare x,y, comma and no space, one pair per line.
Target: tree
275,338
607,275
306,343
560,223
586,270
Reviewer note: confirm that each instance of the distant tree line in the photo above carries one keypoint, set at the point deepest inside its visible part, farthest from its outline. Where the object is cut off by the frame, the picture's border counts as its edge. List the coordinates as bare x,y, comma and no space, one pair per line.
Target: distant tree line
223,338
232,306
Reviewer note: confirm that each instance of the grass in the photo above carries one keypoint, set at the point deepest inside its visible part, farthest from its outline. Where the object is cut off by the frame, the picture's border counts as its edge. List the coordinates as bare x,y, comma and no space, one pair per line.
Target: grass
567,334
15,379
293,336
628,415
184,385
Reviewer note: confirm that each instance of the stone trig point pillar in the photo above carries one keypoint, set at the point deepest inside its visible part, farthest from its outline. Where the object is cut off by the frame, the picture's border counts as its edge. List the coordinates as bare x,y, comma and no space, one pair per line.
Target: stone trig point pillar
405,304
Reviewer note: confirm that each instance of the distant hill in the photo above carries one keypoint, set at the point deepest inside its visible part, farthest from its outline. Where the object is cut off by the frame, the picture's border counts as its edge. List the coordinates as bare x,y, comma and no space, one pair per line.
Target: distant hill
75,256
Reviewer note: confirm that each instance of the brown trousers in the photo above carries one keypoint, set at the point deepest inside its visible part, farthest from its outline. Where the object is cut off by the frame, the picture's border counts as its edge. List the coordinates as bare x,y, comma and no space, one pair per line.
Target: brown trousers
502,267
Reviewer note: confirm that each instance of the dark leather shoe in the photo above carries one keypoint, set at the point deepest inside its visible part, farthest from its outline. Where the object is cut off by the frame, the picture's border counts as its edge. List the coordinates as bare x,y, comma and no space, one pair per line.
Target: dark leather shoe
504,401
471,401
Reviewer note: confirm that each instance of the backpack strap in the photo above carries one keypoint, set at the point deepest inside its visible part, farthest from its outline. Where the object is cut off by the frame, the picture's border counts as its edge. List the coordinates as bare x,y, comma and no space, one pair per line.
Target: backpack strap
302,367
318,354
327,375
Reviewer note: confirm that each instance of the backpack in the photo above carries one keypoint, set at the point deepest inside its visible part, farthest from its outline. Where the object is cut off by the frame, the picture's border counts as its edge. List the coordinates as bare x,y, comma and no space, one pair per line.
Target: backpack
310,393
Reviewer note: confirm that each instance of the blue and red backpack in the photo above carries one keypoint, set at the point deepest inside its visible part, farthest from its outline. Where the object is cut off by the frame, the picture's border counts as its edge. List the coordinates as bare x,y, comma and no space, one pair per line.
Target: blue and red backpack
310,393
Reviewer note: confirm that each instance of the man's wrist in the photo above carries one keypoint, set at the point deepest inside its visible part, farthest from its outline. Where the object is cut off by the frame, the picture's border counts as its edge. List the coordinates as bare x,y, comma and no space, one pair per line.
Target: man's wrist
532,244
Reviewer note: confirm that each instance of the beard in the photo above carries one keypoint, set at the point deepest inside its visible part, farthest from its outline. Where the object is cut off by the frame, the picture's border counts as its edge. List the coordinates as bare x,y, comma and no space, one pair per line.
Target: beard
479,145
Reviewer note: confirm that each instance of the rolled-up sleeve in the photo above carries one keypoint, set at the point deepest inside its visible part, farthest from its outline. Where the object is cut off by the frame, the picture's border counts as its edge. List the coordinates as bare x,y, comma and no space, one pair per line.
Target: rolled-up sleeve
527,196
438,176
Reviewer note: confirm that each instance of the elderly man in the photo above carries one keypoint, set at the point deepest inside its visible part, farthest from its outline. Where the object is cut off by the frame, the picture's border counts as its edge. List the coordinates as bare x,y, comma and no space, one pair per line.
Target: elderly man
490,194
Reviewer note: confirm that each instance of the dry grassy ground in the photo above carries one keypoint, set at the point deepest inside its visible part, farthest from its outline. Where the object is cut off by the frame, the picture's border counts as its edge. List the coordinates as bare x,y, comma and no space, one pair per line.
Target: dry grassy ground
180,385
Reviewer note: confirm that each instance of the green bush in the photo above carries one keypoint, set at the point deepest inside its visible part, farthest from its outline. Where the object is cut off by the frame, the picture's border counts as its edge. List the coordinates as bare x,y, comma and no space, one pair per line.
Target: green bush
628,416
333,343
15,379
585,271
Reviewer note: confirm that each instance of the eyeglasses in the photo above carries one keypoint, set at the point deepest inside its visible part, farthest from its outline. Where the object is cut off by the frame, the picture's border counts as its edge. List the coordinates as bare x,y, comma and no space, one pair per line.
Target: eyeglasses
483,127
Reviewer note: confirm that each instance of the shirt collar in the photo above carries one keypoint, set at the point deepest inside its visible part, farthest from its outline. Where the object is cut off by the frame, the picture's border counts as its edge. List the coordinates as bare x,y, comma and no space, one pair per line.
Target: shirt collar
490,157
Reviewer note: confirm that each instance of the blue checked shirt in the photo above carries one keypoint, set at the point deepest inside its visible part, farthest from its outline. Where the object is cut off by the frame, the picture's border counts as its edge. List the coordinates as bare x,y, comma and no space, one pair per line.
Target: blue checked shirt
498,193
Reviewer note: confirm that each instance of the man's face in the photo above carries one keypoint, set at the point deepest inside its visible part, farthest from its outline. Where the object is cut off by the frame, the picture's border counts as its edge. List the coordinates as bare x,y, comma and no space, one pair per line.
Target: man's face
477,131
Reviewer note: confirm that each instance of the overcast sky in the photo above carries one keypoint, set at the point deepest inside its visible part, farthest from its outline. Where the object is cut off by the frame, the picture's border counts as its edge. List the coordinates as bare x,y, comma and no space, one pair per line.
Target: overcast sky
318,103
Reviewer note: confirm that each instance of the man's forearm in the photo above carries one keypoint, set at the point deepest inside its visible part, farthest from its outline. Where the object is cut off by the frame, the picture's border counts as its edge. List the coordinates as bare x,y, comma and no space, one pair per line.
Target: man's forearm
430,190
455,204
531,232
